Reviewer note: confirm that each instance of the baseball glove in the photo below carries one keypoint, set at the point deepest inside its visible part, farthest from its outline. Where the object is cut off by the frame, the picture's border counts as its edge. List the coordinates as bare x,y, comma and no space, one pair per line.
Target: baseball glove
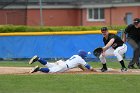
97,52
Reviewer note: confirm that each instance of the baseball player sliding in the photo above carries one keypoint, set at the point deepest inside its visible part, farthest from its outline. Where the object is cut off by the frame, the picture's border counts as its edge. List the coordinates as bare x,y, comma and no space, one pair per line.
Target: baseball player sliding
114,46
62,66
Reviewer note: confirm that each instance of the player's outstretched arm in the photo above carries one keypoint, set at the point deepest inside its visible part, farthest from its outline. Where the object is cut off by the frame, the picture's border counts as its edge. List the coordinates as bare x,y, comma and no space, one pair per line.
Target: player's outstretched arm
124,37
90,68
93,70
108,44
82,67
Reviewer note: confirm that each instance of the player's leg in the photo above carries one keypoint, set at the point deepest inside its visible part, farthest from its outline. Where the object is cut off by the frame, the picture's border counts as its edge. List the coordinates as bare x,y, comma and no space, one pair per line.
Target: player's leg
135,58
108,52
119,54
36,58
42,61
139,54
61,67
37,68
58,68
46,70
33,59
52,64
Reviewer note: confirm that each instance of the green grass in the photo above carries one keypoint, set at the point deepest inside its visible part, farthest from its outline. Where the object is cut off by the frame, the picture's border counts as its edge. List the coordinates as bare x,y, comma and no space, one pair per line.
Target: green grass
14,63
68,83
18,64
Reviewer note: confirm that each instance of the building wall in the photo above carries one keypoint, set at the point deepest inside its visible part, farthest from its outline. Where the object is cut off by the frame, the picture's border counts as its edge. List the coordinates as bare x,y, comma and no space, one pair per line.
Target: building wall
113,16
66,17
138,11
55,17
14,17
2,17
118,14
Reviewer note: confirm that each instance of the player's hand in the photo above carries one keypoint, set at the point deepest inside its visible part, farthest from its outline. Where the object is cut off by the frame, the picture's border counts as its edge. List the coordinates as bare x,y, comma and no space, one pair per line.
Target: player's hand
104,49
93,70
103,53
82,67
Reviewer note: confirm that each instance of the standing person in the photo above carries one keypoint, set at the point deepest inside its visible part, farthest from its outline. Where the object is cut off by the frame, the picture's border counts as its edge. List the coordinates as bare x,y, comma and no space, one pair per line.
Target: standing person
133,38
62,66
114,46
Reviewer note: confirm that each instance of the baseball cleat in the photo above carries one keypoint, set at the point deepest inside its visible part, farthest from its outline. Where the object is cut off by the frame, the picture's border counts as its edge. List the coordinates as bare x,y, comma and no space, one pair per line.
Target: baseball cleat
123,69
103,69
33,59
132,67
35,69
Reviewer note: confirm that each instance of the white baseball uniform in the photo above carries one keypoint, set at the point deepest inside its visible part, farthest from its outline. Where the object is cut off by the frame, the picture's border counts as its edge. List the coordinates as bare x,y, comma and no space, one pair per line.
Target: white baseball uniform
118,52
61,66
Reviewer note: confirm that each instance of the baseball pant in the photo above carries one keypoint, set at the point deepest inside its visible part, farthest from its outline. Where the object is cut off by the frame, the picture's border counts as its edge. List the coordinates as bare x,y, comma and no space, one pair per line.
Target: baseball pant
59,66
136,51
118,52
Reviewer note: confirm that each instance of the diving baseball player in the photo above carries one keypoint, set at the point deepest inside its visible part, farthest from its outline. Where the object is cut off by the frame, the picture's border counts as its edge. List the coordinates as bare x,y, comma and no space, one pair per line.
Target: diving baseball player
114,46
62,66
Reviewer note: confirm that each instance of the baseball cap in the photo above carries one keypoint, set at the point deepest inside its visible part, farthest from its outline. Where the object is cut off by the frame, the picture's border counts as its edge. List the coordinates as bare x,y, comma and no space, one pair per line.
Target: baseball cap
82,53
136,21
104,29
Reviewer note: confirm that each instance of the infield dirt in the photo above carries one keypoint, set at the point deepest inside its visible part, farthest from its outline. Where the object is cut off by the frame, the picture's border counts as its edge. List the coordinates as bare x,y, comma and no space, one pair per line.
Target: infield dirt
25,70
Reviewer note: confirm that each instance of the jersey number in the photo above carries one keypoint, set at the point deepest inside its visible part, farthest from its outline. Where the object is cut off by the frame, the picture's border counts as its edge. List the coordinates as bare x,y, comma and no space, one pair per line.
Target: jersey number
72,58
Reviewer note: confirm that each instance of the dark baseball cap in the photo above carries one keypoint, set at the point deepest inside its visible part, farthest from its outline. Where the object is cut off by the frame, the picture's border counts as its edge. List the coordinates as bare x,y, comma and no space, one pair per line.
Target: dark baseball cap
136,21
104,29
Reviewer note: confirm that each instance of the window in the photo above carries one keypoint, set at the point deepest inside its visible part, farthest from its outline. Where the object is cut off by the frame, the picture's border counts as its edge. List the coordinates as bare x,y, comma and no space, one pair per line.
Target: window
95,14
